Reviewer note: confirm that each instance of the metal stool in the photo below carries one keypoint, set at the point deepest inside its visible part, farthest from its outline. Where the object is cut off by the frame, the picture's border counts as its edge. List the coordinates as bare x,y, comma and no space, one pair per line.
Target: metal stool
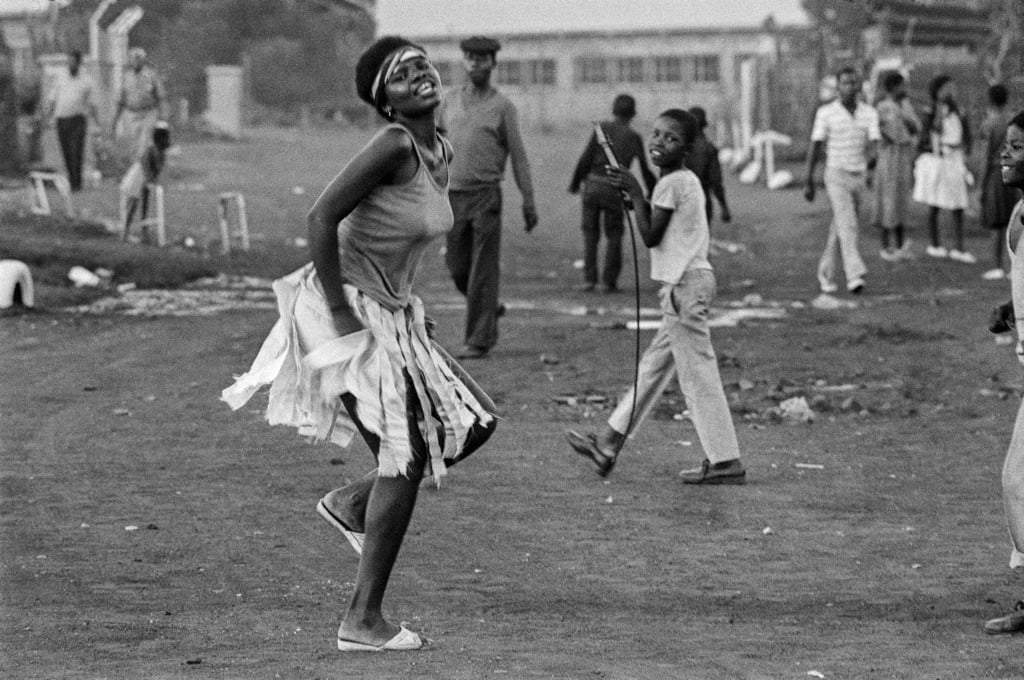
40,201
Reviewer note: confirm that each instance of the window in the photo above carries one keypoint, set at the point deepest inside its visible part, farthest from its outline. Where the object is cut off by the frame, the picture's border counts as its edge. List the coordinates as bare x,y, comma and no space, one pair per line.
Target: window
630,70
592,70
510,72
540,72
668,69
705,68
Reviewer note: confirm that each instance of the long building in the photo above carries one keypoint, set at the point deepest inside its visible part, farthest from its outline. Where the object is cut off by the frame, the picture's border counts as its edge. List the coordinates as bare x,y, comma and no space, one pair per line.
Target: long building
565,78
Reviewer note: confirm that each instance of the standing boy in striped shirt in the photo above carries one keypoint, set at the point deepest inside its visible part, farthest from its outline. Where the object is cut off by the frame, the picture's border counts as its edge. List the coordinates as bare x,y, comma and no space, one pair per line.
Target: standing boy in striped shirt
847,130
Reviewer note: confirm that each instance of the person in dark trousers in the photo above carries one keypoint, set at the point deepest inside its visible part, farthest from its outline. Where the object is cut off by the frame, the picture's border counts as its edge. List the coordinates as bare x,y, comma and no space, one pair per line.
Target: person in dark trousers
703,161
997,199
601,200
483,126
71,106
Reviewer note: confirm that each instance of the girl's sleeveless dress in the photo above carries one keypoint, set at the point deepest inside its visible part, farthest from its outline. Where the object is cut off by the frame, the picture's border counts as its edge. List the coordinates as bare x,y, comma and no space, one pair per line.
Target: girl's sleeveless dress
308,365
940,177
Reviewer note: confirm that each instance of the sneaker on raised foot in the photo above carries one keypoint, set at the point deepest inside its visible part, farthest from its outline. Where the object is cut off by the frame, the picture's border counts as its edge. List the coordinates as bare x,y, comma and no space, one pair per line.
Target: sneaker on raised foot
728,472
963,256
936,251
856,286
889,254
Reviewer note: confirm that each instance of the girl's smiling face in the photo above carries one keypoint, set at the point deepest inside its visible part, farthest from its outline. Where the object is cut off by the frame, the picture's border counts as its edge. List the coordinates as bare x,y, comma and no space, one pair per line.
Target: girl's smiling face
1011,160
667,147
414,87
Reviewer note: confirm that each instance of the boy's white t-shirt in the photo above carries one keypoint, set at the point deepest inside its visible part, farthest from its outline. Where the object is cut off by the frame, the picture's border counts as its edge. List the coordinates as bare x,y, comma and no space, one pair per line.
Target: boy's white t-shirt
685,243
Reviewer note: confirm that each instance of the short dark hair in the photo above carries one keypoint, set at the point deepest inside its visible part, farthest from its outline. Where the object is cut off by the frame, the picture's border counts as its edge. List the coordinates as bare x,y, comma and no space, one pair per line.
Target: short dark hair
624,105
936,84
701,116
686,121
161,137
846,69
370,62
998,94
891,80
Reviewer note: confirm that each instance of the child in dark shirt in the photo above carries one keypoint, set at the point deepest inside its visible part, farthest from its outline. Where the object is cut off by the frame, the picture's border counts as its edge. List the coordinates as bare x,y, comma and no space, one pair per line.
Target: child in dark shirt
601,200
142,173
703,161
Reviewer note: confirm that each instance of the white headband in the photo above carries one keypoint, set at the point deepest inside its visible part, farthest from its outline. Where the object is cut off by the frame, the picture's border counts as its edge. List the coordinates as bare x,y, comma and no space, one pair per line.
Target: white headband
387,69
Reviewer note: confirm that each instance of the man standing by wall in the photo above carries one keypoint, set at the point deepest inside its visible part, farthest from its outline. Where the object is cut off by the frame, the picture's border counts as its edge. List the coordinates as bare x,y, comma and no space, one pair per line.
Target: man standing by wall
484,130
142,101
846,129
69,104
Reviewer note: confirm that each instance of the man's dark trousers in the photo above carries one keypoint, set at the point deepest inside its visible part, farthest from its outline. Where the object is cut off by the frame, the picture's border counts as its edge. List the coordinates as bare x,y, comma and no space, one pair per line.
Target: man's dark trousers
71,133
474,260
601,198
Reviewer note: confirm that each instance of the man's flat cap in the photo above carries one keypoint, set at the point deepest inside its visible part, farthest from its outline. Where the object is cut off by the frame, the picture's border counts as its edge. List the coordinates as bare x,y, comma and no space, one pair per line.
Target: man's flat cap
478,44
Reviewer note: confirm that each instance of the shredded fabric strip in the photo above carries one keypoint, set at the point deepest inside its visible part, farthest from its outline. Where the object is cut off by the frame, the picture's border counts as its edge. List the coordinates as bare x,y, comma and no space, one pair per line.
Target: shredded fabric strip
309,366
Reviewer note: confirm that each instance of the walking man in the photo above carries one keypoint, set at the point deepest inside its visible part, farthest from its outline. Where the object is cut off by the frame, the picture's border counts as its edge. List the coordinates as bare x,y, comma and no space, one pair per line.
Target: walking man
69,104
483,127
846,129
142,102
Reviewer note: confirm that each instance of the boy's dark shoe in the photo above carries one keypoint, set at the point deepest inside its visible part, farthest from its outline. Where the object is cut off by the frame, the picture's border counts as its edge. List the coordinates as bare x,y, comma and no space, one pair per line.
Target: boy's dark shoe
587,446
729,472
1002,319
1011,623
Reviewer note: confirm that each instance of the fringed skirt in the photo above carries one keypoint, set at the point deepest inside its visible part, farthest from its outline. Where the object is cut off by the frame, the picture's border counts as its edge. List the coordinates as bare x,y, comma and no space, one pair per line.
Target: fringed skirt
309,366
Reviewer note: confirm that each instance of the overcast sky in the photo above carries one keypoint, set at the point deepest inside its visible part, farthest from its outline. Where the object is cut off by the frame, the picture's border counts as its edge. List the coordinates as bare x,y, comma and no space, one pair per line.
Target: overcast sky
459,17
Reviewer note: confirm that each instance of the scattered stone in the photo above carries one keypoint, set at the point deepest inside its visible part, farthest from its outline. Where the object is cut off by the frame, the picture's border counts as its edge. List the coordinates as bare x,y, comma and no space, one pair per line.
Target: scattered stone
851,405
796,410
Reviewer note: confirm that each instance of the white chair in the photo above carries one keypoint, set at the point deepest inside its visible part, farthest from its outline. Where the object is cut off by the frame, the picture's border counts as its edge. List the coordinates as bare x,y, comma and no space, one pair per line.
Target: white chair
226,200
156,208
15,284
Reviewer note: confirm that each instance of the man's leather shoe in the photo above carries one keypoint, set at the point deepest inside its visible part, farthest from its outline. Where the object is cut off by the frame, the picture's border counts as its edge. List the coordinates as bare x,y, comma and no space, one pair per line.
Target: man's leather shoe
1011,623
587,446
729,472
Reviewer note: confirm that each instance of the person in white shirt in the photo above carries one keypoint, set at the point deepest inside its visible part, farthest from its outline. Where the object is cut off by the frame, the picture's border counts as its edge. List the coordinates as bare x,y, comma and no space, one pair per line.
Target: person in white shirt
69,103
846,129
675,228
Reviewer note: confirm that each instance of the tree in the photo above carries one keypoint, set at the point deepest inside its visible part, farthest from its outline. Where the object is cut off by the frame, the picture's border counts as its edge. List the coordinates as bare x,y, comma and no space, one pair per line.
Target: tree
840,26
1006,18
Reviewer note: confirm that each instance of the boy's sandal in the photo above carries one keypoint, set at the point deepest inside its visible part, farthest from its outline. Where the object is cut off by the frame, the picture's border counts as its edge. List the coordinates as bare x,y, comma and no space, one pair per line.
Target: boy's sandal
354,538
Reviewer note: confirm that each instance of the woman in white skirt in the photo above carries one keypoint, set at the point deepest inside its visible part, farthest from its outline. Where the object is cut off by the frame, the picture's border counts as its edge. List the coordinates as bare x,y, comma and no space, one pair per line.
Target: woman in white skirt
351,351
941,178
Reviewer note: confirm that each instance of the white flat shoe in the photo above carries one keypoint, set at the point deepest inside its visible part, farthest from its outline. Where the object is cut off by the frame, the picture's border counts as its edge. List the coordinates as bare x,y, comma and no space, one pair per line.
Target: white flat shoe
354,538
404,640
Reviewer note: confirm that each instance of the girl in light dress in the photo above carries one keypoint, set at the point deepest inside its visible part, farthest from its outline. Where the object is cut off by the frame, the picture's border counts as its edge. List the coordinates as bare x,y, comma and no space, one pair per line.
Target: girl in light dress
941,178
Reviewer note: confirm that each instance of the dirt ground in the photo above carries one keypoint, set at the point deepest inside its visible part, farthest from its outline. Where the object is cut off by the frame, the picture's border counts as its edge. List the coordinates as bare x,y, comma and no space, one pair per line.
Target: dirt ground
149,532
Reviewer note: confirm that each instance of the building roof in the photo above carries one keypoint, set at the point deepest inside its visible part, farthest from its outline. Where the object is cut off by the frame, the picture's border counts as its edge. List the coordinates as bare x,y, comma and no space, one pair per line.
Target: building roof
417,18
12,8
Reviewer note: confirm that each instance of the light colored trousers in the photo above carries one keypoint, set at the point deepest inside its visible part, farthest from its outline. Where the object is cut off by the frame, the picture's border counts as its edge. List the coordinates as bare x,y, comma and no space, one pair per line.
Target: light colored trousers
1013,490
682,346
138,129
847,192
